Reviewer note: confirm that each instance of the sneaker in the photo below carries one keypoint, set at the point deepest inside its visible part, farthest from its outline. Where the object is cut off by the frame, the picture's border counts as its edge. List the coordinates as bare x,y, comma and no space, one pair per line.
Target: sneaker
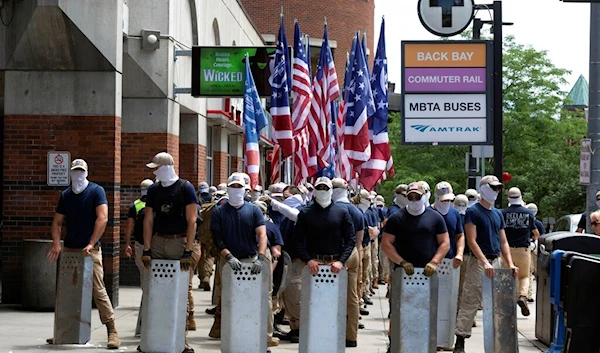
278,332
522,302
361,326
459,346
205,286
293,336
367,300
530,300
211,311
364,312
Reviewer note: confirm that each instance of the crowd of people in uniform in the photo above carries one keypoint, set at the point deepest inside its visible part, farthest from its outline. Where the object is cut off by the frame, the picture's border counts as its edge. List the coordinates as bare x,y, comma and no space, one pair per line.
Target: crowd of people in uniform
324,223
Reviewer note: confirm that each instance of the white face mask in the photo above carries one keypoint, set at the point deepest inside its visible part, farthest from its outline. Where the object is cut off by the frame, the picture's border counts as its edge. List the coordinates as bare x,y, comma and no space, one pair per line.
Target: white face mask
311,194
488,194
517,201
79,180
401,200
462,209
255,195
236,196
416,208
442,207
339,194
471,203
323,197
144,192
535,212
364,204
293,201
426,198
166,175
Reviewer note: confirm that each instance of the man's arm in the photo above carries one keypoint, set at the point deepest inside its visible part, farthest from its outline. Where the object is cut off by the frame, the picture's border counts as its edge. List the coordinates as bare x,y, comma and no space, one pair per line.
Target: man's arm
460,244
128,232
55,231
443,240
471,231
359,239
505,248
261,236
387,243
148,226
289,212
191,215
99,227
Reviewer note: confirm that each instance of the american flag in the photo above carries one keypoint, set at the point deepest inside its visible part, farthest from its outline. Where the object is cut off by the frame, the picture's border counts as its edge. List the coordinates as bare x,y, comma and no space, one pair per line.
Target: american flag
381,156
280,103
325,91
344,166
276,165
359,101
302,96
254,121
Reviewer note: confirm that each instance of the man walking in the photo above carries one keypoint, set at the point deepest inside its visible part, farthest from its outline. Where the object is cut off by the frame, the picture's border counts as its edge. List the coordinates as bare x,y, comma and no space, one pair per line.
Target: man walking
85,208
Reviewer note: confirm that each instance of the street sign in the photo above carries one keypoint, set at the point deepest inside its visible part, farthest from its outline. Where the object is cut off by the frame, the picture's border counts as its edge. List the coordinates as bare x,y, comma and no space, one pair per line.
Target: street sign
482,151
447,92
59,165
446,18
585,161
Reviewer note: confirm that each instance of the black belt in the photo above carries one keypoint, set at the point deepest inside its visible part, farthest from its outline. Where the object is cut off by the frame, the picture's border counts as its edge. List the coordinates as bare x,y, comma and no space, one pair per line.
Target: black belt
172,236
491,257
326,257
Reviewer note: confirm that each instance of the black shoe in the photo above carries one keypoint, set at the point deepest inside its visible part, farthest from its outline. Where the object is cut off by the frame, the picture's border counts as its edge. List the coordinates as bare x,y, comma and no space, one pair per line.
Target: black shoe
278,332
351,343
367,300
371,291
279,317
211,311
364,312
530,300
523,304
361,326
459,346
205,286
389,348
293,336
381,281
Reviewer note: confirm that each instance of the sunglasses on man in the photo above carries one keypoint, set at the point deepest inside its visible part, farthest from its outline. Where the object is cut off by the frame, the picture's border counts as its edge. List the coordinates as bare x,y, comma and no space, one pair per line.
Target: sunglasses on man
414,197
496,188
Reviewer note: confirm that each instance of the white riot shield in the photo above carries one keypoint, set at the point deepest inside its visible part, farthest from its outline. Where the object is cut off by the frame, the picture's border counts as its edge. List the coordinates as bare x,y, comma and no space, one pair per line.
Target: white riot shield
414,312
323,311
500,312
244,307
164,307
448,280
73,312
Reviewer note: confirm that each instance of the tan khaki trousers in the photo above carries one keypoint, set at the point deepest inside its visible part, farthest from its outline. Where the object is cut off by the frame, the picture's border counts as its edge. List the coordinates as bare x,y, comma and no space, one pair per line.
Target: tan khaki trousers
366,270
205,266
374,260
352,301
292,295
522,259
99,294
384,264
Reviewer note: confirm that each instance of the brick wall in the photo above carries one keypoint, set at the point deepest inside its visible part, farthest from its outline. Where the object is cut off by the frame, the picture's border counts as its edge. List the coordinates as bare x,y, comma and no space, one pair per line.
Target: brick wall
344,18
237,164
220,167
192,162
29,204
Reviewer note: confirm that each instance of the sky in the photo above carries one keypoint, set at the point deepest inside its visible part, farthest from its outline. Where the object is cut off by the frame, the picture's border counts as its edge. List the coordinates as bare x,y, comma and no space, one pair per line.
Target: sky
560,28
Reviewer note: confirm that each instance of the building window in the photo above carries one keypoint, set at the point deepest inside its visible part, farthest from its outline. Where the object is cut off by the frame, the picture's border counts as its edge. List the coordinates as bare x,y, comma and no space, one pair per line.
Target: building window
229,152
209,155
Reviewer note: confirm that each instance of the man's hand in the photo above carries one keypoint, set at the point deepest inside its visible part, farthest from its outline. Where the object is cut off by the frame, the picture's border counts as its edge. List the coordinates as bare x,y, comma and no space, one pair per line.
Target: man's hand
128,251
235,264
53,253
489,269
147,258
408,267
275,252
457,261
257,264
87,251
186,260
430,269
515,270
313,267
336,267
266,199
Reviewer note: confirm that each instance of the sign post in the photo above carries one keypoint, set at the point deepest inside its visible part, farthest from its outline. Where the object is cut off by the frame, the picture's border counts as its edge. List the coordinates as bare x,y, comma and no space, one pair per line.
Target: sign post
59,165
585,162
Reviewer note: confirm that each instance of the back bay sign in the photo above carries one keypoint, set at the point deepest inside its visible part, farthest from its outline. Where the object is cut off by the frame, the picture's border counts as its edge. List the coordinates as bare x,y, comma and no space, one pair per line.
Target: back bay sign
447,93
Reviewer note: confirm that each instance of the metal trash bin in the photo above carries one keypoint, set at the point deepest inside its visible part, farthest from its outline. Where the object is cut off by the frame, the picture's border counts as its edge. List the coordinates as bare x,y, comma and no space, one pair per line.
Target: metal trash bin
567,241
38,284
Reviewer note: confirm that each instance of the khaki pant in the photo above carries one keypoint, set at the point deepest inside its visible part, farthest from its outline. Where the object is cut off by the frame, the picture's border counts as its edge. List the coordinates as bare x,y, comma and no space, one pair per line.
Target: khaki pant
374,260
366,270
522,259
216,297
195,258
166,248
352,301
99,294
471,294
461,282
384,265
292,295
270,314
205,267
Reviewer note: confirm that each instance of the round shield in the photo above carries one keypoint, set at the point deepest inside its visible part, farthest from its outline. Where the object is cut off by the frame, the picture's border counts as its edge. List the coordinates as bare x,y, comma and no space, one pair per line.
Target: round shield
282,273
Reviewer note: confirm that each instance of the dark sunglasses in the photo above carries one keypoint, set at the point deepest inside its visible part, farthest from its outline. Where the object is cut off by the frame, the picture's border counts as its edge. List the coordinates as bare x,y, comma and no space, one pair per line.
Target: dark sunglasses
496,188
414,197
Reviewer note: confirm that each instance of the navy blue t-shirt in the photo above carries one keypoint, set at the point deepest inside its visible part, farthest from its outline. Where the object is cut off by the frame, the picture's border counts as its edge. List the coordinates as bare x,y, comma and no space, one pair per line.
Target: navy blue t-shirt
416,236
488,224
168,204
540,227
355,214
80,213
237,228
372,220
276,217
519,223
454,224
287,232
393,209
273,234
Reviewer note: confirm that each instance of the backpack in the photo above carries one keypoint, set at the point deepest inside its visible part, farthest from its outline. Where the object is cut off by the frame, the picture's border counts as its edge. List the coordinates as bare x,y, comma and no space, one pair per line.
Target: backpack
140,213
177,205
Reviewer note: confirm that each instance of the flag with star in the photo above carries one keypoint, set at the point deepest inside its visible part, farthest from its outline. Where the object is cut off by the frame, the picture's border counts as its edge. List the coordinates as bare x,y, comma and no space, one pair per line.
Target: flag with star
254,120
380,164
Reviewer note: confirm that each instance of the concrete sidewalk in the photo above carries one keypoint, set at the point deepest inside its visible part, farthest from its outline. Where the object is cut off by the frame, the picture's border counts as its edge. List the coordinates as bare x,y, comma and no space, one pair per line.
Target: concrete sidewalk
22,331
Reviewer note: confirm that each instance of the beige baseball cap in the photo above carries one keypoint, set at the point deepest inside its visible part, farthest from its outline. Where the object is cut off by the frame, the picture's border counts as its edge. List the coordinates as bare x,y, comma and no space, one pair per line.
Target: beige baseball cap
79,164
443,191
416,187
491,180
160,159
324,181
514,192
339,183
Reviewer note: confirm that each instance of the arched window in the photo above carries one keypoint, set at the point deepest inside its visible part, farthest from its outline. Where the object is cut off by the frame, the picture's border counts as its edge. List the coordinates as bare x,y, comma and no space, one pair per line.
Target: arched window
216,34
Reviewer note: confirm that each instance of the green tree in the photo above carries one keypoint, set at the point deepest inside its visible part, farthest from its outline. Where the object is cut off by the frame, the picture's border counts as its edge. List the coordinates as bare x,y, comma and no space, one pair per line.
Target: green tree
541,139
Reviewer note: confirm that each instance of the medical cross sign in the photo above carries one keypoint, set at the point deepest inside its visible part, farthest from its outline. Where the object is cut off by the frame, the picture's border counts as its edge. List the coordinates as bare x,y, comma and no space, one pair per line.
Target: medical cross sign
446,18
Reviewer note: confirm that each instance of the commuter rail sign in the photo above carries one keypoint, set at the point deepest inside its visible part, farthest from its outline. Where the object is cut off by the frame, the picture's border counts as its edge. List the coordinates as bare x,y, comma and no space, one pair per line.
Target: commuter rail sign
219,71
447,93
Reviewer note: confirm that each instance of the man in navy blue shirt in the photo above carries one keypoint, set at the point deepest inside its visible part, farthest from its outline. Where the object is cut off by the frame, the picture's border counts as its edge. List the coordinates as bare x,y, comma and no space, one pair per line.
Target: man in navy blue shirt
239,233
85,208
443,204
400,201
520,227
384,262
484,227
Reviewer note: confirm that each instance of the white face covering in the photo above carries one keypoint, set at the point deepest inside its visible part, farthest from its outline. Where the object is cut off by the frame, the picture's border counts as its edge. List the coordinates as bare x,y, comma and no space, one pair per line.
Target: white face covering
166,175
515,201
144,192
401,200
323,197
236,196
255,195
471,203
293,201
488,194
364,204
462,209
442,207
304,198
535,212
340,194
311,194
416,208
79,180
426,198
